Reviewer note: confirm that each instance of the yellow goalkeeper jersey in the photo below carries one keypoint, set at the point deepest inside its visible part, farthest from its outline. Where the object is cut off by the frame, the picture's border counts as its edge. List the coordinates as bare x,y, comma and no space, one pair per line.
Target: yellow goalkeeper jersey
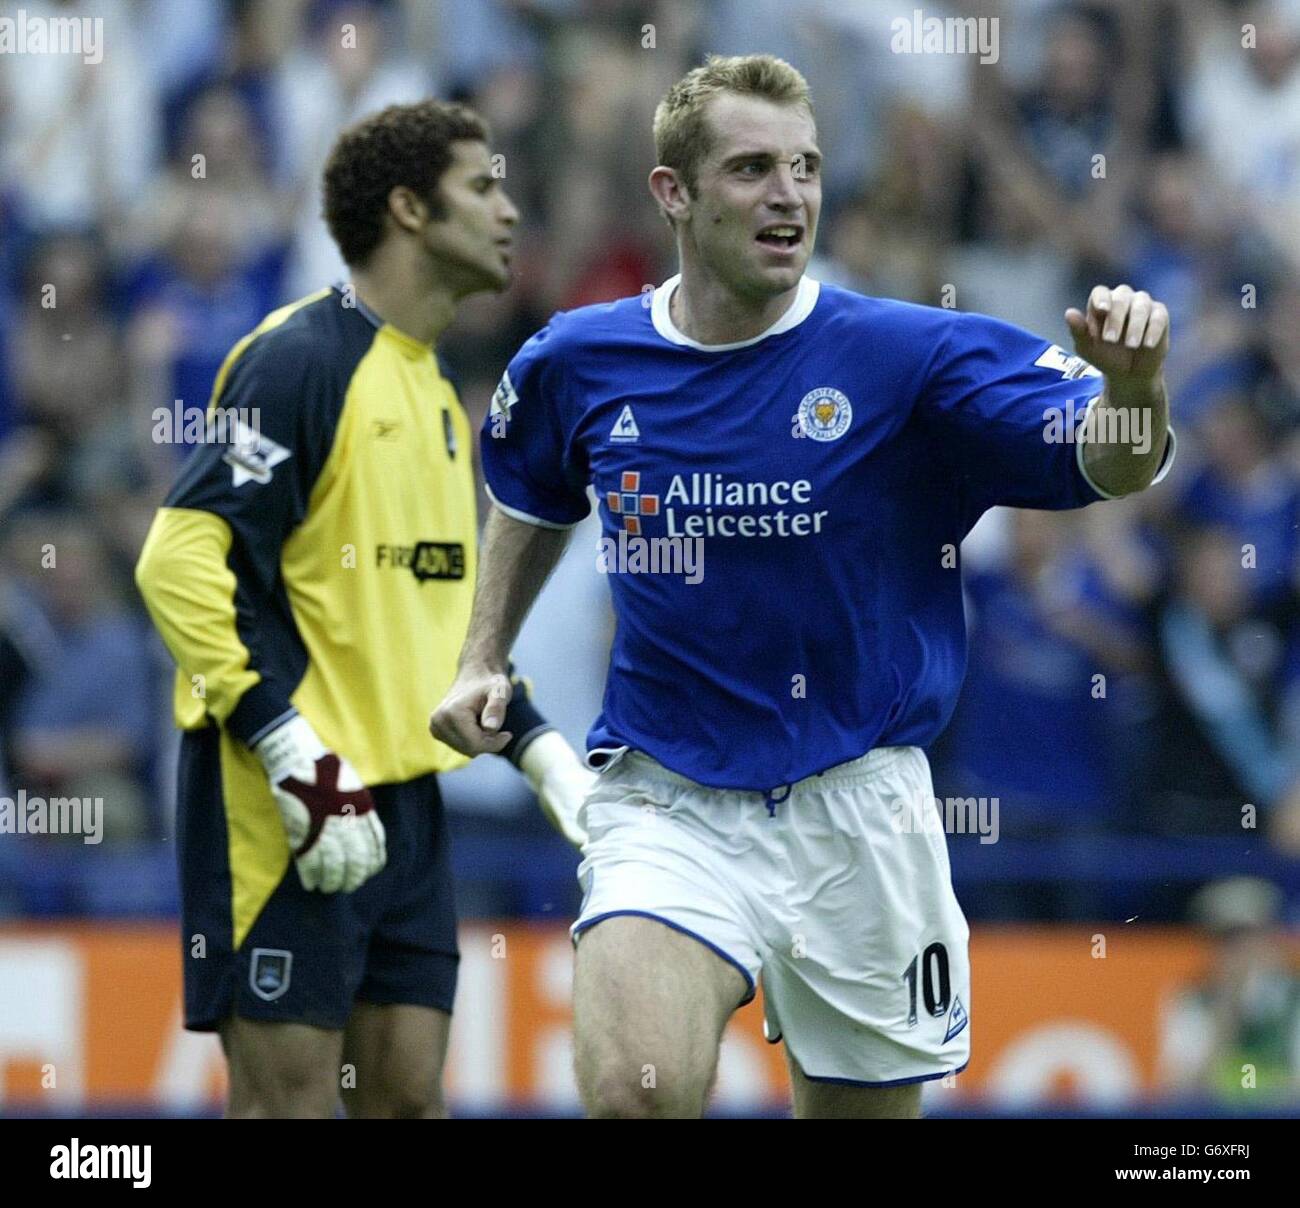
318,550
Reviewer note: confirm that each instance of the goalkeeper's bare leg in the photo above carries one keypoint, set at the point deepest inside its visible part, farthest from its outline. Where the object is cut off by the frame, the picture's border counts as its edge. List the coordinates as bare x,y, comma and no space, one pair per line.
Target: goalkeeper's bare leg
387,1065
650,1005
281,1070
392,1058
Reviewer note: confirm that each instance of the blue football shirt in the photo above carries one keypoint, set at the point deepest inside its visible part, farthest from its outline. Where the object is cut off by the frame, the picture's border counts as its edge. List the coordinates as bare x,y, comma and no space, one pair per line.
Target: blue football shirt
827,470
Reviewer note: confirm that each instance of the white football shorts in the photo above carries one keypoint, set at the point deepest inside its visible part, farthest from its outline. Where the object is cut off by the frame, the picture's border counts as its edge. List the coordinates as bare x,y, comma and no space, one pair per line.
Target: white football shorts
839,895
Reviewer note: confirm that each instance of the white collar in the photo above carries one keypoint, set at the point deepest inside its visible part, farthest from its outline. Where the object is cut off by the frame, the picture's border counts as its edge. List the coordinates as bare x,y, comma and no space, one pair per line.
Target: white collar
804,301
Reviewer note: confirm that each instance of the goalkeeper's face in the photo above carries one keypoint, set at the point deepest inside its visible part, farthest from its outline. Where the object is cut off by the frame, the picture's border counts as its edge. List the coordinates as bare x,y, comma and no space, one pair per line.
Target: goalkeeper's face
473,243
757,197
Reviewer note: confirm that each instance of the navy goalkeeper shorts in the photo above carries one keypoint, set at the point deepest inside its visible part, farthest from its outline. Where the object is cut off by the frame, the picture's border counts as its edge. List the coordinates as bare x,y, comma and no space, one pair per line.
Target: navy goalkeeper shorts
256,944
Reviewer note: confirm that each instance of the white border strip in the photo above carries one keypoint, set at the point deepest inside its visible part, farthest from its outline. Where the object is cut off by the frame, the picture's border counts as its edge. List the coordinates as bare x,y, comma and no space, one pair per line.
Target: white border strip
806,295
516,514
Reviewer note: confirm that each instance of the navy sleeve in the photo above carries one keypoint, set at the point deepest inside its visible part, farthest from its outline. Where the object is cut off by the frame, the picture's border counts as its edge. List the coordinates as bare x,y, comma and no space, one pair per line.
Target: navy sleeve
270,427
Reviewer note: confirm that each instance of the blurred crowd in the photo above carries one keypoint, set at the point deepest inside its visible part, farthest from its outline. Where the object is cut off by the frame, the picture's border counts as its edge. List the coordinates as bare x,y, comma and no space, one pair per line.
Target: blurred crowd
1134,668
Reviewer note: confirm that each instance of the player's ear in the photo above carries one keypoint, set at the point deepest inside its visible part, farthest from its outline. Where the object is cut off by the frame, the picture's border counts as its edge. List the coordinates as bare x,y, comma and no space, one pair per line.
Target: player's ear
668,190
407,208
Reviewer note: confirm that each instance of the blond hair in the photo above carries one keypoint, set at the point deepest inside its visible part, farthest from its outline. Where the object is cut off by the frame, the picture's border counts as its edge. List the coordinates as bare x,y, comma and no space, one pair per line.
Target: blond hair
683,137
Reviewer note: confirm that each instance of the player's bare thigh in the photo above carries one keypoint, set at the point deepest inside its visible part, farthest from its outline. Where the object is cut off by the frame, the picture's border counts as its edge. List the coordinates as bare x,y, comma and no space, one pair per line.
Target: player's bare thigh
650,1005
393,1055
831,1101
281,1070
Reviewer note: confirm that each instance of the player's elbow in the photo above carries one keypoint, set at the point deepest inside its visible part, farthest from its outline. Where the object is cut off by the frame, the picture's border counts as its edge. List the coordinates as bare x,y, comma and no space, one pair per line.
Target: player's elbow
150,566
184,554
159,563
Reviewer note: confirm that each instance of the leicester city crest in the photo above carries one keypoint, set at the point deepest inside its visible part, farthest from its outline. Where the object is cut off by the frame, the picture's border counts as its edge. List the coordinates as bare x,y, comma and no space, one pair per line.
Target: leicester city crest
825,413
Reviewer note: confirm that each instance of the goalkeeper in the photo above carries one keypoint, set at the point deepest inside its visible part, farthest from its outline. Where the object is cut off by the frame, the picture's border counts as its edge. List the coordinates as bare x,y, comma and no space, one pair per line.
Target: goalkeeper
311,571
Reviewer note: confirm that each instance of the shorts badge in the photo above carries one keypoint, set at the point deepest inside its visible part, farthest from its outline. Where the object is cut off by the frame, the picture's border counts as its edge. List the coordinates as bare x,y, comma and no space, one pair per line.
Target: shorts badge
269,973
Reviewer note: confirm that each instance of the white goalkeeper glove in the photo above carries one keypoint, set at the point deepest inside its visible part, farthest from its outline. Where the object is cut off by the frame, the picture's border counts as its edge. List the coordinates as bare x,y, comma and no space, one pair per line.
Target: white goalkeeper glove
560,780
334,832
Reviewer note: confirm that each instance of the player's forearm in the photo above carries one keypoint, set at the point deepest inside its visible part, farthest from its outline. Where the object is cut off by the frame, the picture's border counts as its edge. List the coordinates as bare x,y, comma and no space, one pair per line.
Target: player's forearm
1125,435
515,561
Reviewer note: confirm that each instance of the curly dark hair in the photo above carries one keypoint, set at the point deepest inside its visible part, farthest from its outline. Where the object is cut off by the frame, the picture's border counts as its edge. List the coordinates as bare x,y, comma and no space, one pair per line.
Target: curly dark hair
401,145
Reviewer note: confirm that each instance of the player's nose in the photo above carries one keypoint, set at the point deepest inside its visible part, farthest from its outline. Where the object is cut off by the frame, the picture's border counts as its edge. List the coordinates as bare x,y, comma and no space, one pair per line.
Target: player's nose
508,213
784,193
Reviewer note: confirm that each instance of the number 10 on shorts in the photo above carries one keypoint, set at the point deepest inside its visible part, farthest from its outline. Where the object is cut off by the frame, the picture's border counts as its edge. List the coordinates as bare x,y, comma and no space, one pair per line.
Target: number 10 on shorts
936,987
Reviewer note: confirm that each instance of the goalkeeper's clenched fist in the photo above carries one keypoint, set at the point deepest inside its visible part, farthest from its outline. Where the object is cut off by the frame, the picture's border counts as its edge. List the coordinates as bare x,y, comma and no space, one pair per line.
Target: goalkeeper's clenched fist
334,833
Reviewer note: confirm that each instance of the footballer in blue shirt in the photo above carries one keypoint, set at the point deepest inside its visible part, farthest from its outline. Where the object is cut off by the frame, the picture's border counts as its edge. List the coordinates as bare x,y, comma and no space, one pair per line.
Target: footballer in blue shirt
791,467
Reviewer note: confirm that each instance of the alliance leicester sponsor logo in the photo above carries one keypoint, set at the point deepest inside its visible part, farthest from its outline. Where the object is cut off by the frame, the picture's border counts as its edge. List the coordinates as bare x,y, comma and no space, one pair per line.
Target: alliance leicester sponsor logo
769,508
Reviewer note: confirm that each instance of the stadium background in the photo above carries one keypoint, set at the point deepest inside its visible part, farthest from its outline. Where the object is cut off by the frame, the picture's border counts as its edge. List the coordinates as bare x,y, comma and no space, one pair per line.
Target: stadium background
154,205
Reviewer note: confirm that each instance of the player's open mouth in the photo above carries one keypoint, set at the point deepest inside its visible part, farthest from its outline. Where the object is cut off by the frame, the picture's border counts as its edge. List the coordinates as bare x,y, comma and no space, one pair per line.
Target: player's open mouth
781,235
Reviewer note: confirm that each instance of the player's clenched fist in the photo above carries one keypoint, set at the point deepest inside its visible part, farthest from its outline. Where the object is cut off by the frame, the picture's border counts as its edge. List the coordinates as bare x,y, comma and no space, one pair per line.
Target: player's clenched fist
470,716
1124,333
334,833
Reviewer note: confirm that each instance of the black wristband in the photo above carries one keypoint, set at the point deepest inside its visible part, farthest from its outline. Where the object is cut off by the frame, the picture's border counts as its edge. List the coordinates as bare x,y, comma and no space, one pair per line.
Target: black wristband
525,723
